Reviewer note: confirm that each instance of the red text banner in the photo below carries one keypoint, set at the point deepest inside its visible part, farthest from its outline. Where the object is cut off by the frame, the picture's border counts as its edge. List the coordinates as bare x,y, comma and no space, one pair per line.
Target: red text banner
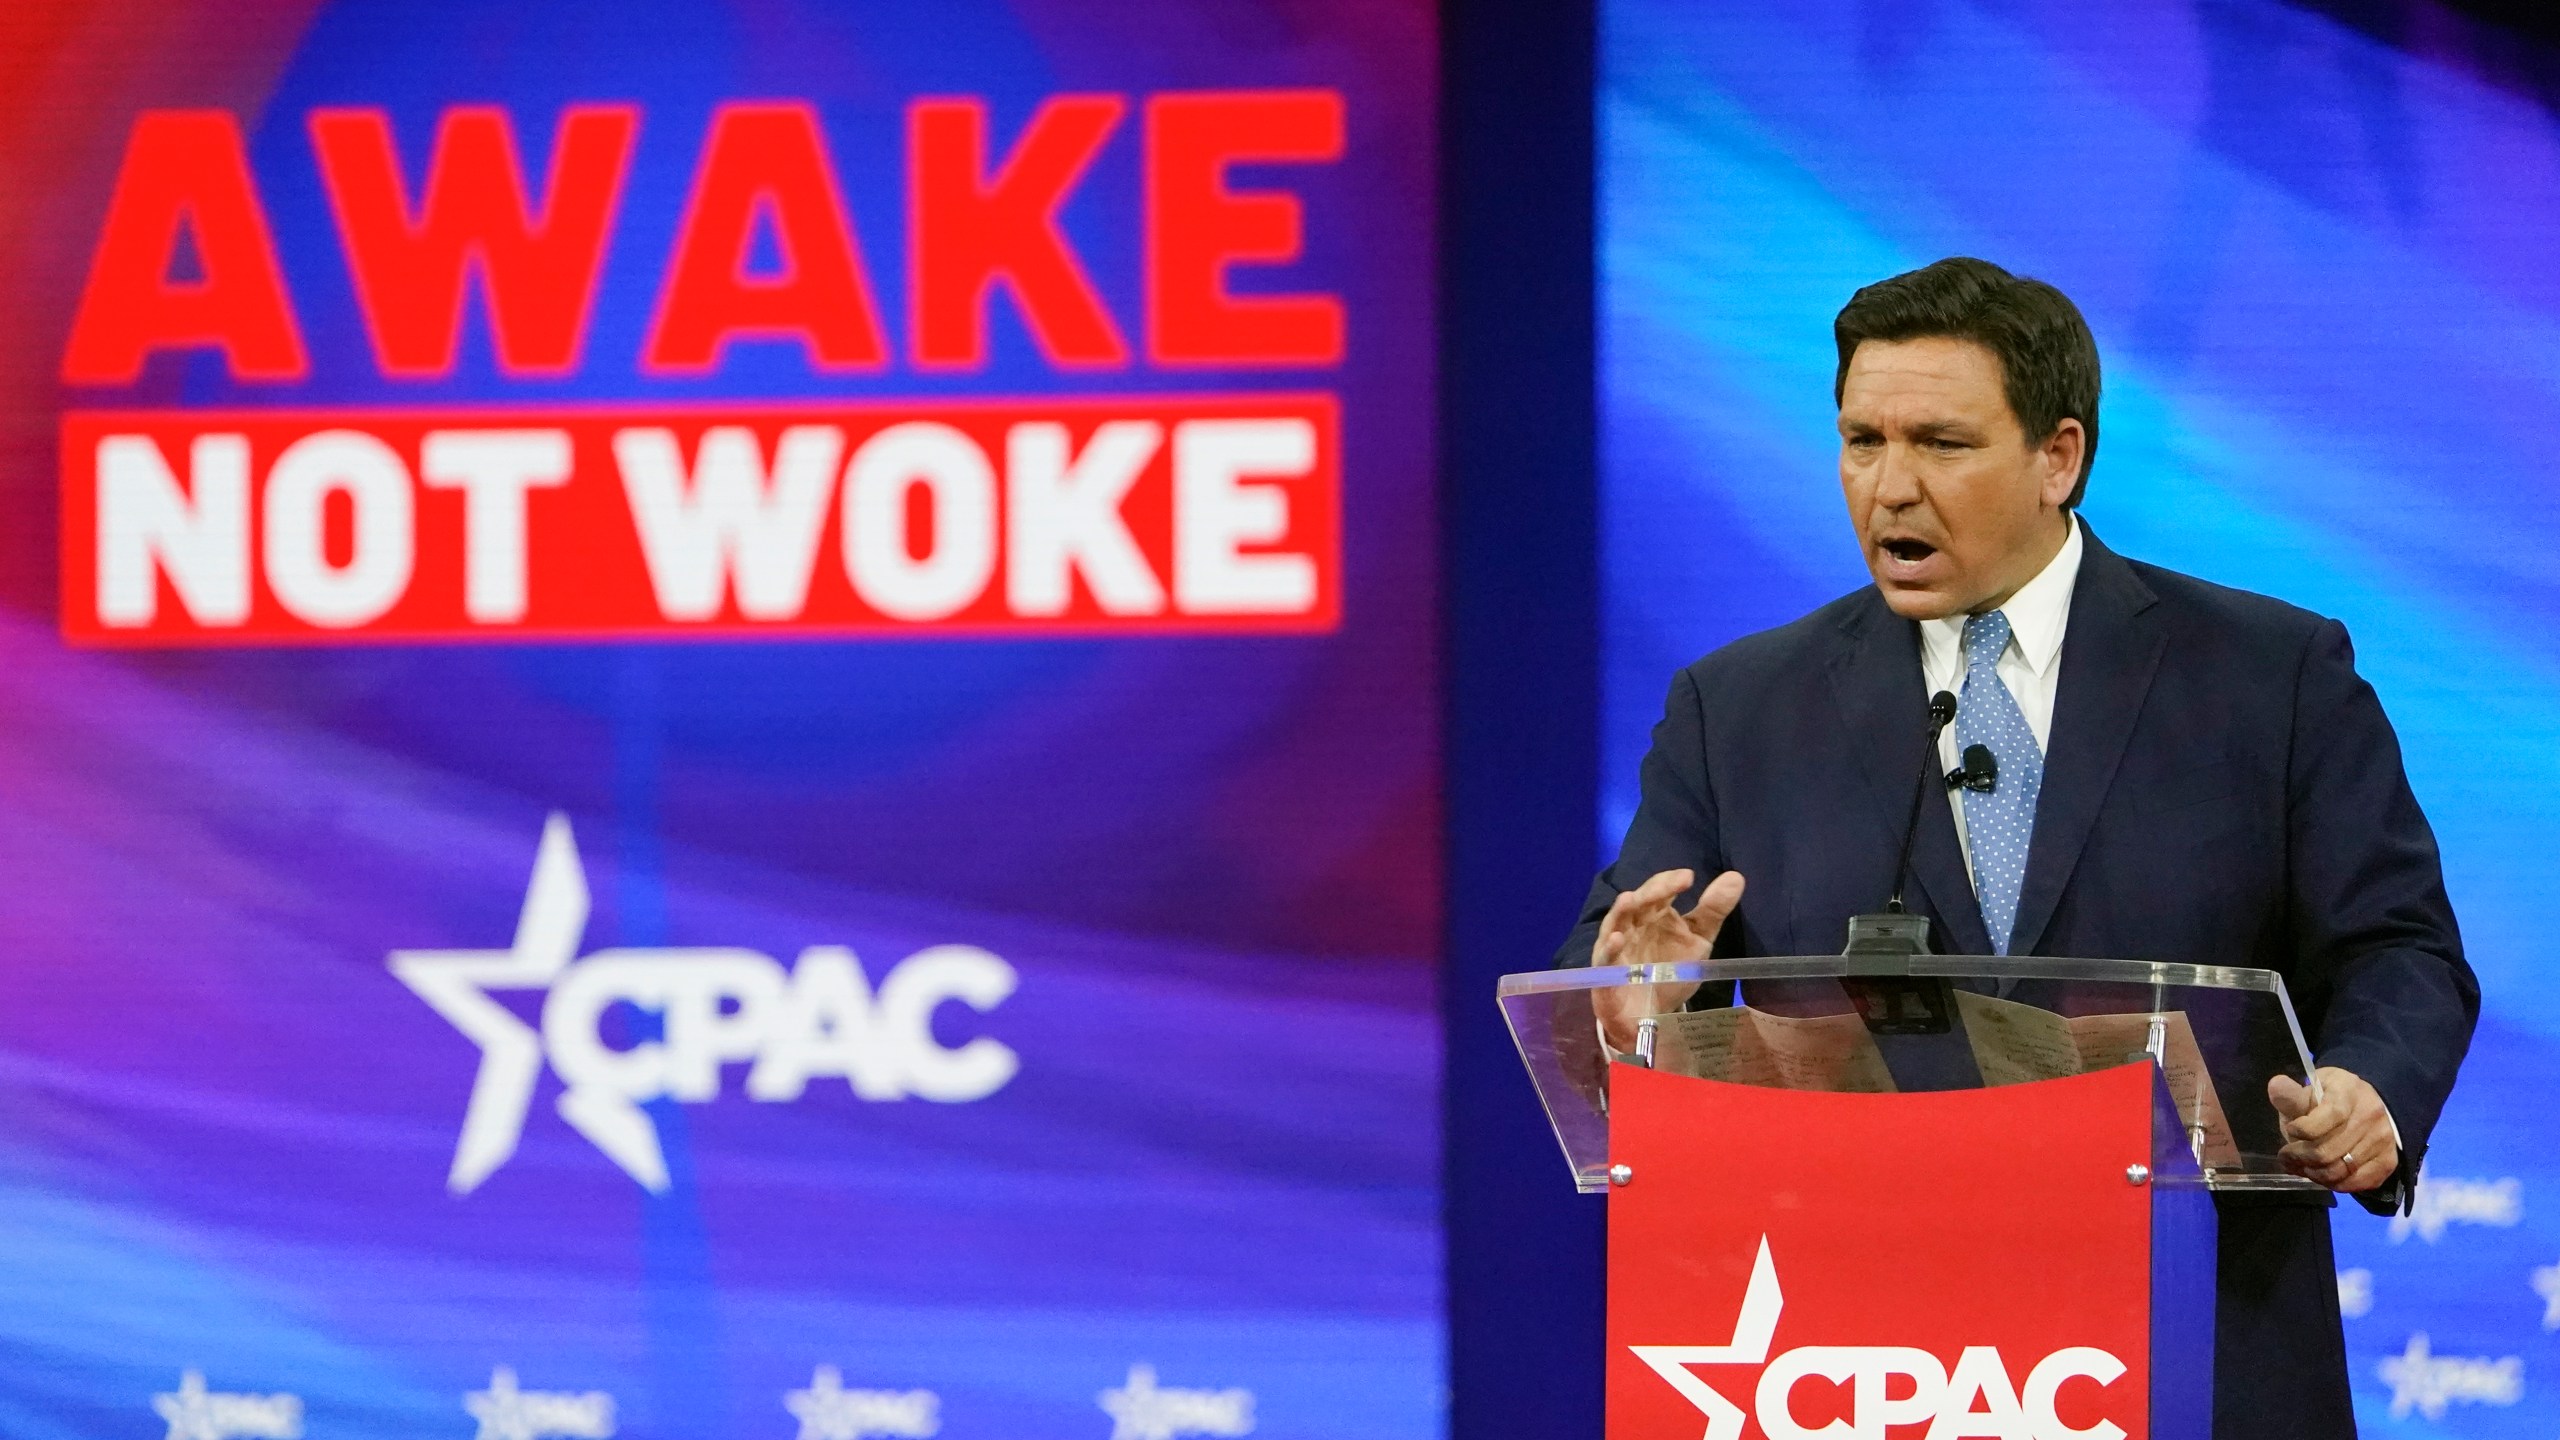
1126,514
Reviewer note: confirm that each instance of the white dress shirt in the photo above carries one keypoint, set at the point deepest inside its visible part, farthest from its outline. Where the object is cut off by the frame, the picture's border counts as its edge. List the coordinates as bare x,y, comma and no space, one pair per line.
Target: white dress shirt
2031,667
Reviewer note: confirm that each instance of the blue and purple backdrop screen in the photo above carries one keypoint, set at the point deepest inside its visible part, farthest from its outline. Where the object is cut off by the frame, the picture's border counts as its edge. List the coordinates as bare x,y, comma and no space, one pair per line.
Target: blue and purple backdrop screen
2323,269
718,720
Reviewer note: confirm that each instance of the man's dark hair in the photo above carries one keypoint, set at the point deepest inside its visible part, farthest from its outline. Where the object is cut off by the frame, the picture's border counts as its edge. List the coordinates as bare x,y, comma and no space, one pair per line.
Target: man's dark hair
2048,359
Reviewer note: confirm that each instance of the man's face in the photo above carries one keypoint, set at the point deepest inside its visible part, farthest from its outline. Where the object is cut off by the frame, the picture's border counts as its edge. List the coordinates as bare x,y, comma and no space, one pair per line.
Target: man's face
1954,509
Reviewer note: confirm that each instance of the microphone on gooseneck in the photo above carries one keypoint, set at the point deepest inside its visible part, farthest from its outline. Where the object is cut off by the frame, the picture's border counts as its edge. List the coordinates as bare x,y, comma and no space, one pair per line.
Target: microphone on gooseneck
1893,930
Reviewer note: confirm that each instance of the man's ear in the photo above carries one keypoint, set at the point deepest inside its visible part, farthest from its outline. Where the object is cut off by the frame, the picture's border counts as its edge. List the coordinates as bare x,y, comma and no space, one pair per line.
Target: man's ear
2062,454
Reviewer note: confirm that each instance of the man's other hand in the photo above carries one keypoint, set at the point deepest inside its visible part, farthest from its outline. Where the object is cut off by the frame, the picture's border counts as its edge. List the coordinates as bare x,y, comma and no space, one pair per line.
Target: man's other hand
1645,927
2344,1139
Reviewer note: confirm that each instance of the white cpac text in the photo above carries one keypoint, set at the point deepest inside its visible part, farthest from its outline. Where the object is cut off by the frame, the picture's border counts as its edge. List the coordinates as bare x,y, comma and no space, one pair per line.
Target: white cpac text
1979,1398
2452,1200
718,1005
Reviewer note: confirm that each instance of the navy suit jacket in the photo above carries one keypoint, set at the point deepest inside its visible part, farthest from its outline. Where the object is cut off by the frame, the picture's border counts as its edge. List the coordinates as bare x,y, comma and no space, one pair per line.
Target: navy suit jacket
2220,788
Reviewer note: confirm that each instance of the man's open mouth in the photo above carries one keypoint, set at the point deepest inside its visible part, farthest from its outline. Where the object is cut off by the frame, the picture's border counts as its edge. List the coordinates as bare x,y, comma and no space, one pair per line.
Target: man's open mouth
1910,551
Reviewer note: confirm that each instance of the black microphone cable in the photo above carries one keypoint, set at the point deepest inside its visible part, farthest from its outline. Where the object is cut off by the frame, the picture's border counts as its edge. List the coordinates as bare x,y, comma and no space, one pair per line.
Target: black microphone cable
1942,713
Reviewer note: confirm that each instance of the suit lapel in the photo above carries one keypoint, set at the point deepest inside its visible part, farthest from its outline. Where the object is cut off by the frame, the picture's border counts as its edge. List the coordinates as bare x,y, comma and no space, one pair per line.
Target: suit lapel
1877,686
2110,651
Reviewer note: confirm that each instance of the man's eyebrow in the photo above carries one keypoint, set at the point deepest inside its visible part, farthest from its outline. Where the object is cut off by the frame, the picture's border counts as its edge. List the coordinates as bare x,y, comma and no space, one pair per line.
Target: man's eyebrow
1945,430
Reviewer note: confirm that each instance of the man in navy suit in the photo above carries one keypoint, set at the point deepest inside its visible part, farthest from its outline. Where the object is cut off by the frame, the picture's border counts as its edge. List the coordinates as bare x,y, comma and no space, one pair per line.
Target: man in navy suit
2185,772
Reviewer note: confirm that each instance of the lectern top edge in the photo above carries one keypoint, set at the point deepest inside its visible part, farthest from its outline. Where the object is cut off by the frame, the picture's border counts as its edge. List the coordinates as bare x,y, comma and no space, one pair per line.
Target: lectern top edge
1988,967
1896,1023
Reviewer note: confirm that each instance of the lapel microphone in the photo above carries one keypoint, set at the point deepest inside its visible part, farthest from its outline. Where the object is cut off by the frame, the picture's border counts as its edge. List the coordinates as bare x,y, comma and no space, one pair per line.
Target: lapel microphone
1980,771
1894,930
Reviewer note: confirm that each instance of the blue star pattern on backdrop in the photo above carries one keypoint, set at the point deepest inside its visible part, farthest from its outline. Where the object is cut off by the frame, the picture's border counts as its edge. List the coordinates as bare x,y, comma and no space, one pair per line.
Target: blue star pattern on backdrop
2000,821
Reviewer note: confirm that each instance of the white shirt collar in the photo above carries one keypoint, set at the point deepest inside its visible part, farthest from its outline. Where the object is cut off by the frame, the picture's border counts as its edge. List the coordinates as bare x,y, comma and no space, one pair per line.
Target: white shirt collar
2038,613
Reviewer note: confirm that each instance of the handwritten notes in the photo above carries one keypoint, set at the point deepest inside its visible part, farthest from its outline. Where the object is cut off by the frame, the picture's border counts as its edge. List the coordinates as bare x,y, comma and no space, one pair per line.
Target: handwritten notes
2014,1043
1755,1047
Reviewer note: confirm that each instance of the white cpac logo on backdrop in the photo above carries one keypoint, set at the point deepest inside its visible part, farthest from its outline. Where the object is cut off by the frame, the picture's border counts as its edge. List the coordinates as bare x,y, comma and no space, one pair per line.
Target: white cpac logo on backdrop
828,1411
508,1413
1946,1401
195,1413
721,1004
2546,1283
1141,1410
2427,1383
2355,1293
2439,1203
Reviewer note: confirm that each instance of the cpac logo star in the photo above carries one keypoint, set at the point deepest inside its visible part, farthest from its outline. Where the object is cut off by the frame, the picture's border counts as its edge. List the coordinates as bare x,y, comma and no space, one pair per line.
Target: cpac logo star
2546,1283
828,1411
720,1005
2498,1204
195,1413
1140,1410
508,1413
1977,1398
2355,1294
2429,1384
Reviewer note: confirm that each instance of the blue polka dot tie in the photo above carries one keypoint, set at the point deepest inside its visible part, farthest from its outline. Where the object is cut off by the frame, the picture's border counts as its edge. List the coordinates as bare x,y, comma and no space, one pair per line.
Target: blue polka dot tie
1998,822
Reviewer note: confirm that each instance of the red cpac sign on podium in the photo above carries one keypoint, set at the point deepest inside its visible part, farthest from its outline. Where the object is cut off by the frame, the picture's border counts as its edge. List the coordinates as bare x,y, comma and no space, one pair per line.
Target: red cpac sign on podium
1786,1265
1178,511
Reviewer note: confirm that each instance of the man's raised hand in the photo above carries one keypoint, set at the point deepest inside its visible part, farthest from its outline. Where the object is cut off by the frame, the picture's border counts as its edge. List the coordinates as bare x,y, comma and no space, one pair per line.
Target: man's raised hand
1645,926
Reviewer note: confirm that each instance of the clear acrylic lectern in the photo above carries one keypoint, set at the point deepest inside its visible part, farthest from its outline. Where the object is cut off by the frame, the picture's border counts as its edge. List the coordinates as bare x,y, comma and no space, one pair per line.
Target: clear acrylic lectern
1909,1023
2000,1166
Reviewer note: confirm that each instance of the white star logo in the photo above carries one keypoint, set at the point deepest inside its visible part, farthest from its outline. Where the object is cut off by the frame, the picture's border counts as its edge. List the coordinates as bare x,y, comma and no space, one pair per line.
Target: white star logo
2355,1293
1753,1328
716,1005
2428,1383
1142,1410
2546,1283
828,1411
196,1413
506,1412
457,983
2411,1374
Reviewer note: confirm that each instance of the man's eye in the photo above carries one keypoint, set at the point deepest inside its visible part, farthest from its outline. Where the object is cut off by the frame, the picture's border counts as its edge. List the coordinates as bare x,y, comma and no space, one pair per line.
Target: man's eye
1864,442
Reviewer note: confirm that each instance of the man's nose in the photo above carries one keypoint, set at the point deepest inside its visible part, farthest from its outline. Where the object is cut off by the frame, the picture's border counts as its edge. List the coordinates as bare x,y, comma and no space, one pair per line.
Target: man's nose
1897,478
